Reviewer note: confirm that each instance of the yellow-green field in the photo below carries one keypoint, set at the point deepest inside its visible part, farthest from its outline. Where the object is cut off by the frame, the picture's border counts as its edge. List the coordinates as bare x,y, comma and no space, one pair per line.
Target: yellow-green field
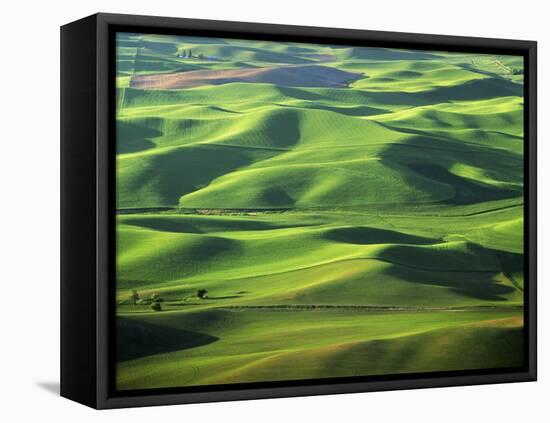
349,211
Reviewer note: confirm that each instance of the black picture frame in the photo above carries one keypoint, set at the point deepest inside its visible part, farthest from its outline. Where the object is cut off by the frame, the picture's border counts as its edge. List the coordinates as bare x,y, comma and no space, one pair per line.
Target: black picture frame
87,209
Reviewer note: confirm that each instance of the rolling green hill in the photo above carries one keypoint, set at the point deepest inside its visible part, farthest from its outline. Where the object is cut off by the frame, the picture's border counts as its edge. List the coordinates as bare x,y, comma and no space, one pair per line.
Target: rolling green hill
349,210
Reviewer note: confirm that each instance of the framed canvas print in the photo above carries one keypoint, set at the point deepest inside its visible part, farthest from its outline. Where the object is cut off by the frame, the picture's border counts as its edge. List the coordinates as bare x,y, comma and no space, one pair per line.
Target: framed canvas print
255,211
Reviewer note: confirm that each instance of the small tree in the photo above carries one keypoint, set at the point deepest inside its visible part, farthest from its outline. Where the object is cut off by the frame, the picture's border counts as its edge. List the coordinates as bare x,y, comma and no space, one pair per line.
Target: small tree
156,307
201,293
134,297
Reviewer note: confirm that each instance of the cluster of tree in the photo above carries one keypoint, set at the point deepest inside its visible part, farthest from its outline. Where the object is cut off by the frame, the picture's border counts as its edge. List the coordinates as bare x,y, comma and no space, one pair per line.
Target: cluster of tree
186,53
517,71
189,54
154,300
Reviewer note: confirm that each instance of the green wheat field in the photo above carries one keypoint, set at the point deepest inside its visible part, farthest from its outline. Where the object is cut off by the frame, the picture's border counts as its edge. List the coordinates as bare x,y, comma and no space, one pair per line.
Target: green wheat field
297,211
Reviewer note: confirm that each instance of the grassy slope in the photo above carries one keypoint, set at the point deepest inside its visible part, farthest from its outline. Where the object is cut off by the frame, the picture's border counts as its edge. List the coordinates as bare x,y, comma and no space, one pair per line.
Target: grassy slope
402,191
273,345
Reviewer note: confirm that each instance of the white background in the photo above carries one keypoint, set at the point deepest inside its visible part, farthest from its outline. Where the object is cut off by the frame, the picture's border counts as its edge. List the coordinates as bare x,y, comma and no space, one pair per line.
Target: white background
29,236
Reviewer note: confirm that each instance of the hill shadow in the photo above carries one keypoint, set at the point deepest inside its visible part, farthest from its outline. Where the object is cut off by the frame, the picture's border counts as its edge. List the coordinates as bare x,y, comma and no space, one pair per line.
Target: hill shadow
466,191
203,226
132,137
479,284
275,196
347,111
379,53
475,89
137,339
430,159
363,235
